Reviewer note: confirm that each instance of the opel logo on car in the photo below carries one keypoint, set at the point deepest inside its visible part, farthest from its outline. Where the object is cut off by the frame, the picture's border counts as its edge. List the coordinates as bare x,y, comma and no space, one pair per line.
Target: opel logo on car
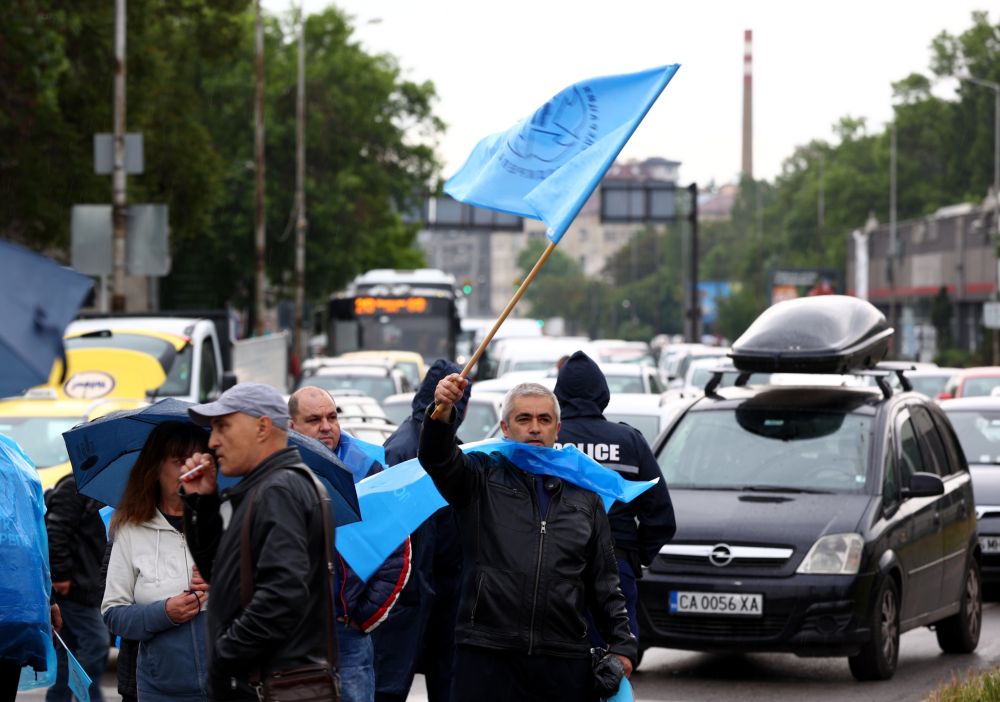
721,555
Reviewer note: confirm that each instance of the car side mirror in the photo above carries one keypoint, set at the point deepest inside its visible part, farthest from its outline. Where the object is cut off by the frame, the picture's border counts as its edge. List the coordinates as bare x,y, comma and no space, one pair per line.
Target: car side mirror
228,380
943,396
923,485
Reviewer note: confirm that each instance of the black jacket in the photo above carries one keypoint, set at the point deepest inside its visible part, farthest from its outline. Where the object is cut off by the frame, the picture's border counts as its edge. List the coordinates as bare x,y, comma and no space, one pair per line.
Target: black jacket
285,623
77,540
527,584
643,525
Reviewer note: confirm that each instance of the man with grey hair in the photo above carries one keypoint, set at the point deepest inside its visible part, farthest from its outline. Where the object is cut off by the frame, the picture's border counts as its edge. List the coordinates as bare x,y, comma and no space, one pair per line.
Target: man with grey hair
279,628
537,556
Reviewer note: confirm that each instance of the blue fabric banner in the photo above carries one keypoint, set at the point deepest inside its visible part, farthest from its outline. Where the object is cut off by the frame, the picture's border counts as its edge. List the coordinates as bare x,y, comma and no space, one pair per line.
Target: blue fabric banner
547,165
398,500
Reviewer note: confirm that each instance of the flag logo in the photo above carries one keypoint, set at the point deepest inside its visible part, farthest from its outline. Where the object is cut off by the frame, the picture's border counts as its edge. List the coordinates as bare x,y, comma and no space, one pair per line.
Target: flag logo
559,130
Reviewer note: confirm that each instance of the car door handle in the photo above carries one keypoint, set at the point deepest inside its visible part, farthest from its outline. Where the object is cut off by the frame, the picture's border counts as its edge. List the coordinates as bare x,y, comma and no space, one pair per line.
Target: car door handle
963,508
937,519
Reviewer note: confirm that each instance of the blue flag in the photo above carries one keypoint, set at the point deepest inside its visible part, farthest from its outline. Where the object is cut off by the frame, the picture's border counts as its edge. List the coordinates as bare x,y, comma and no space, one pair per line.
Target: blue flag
547,165
78,680
397,501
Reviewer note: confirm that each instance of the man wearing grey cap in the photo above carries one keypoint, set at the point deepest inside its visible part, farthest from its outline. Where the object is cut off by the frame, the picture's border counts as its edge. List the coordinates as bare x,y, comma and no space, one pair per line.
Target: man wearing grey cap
279,628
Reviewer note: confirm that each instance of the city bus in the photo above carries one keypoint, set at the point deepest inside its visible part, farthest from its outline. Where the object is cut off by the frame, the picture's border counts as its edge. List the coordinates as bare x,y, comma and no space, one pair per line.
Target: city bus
403,310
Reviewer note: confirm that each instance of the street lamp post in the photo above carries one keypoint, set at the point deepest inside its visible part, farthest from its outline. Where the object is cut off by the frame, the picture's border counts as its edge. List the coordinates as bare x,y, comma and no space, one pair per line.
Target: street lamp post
995,87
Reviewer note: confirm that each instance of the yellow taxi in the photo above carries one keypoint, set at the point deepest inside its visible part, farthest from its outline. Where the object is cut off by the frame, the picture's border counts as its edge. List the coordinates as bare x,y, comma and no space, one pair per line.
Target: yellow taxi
97,382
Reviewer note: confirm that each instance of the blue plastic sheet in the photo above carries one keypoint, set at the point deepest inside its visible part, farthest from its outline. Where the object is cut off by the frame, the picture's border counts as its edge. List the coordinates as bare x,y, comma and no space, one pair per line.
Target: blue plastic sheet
624,693
25,582
359,455
397,501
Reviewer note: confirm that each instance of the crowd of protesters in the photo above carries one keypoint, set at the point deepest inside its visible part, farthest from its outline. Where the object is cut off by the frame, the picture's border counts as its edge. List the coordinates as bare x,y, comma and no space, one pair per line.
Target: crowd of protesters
212,591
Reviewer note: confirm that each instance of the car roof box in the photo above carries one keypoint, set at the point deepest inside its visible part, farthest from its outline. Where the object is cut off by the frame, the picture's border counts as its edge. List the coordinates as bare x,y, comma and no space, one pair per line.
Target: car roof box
822,334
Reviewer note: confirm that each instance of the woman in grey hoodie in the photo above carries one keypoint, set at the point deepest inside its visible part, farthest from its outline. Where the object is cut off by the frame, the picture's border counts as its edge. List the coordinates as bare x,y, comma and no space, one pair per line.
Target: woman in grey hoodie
154,593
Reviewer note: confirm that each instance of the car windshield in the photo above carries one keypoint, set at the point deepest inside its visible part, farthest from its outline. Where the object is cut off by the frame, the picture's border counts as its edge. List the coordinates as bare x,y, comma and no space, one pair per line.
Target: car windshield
979,434
177,365
759,448
929,385
647,424
371,385
40,437
479,419
624,383
977,387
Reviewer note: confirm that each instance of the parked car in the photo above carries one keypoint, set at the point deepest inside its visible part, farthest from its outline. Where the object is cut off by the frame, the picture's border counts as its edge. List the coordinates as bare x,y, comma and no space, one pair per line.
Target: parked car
814,519
410,362
374,432
482,413
648,413
977,423
374,378
972,382
931,380
632,377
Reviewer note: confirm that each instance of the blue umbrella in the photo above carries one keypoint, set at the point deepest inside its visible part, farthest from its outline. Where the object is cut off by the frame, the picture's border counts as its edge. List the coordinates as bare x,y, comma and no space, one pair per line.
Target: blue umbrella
103,452
38,298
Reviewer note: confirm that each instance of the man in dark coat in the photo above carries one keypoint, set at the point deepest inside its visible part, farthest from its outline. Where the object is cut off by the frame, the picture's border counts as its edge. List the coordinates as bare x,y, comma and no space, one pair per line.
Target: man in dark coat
420,631
641,527
538,557
77,541
361,605
284,625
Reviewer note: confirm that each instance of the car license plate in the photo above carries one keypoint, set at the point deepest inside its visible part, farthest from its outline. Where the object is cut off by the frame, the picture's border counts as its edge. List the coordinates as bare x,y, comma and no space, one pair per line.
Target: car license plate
989,544
736,604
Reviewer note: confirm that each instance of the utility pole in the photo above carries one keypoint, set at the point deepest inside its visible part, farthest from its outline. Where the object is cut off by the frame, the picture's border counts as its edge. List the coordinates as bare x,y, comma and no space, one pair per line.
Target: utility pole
259,224
694,312
300,187
118,196
820,204
893,243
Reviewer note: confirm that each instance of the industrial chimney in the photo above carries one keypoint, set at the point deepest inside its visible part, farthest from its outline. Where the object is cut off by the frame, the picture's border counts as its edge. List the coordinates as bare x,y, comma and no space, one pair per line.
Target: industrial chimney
747,169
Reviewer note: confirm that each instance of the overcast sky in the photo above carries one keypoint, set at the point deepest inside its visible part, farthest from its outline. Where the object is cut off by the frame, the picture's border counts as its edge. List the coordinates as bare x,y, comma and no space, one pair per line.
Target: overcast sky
814,62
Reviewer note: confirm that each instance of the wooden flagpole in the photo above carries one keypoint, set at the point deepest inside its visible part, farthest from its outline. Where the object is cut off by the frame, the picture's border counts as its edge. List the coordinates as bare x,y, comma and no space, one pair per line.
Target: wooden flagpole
503,315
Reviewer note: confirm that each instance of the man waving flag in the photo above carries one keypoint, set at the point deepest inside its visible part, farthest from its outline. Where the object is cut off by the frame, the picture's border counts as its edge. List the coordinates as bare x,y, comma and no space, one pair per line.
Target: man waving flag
547,165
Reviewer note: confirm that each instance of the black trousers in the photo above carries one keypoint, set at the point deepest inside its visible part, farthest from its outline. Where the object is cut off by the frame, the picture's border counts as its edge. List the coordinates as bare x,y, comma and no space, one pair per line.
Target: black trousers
10,675
485,675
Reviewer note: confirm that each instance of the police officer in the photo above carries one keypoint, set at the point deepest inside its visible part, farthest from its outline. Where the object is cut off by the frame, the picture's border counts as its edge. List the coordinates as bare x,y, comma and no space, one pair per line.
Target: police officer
642,526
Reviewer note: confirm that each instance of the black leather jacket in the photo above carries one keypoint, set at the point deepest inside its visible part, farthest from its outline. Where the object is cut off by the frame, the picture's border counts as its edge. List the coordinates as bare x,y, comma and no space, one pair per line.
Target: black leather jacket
527,584
77,541
285,623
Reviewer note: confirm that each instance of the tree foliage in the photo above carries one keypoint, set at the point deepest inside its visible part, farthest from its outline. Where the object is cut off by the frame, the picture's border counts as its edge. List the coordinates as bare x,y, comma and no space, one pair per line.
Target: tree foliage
370,136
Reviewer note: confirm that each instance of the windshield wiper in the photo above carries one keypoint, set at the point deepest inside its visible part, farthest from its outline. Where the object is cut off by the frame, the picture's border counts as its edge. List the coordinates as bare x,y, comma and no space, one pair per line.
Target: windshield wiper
782,489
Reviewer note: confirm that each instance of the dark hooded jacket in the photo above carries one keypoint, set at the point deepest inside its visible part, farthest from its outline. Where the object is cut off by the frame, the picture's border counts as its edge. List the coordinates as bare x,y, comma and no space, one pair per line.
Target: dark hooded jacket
582,391
436,553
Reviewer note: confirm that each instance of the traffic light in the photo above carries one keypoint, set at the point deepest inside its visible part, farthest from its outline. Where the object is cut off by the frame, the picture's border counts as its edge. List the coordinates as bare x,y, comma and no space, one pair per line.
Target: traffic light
467,286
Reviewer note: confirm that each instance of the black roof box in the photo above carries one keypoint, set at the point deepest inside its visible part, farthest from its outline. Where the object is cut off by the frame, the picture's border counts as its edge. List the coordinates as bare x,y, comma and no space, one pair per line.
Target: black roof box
822,334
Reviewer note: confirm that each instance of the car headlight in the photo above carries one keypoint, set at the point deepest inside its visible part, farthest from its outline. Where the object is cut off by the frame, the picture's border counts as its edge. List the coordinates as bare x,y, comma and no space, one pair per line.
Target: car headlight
836,554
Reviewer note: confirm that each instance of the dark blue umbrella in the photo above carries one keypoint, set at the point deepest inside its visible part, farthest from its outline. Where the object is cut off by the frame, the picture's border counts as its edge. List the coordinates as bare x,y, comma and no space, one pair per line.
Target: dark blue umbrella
103,452
38,298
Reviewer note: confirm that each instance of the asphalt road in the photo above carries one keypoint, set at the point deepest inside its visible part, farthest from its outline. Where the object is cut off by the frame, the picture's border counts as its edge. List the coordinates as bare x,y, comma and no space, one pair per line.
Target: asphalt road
681,676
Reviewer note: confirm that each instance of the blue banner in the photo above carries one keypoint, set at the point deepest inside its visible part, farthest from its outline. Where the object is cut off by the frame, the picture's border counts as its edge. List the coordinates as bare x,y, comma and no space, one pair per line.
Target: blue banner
547,165
398,500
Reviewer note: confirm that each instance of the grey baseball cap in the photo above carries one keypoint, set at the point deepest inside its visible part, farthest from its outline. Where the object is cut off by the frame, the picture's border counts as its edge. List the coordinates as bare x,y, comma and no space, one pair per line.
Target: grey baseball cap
255,399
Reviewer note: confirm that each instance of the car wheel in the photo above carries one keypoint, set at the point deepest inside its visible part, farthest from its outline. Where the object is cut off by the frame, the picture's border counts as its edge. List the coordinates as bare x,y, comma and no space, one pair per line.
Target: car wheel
959,633
877,658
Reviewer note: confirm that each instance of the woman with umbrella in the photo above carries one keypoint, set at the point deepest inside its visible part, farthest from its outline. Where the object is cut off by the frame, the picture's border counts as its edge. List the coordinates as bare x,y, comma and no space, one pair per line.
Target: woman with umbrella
154,594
